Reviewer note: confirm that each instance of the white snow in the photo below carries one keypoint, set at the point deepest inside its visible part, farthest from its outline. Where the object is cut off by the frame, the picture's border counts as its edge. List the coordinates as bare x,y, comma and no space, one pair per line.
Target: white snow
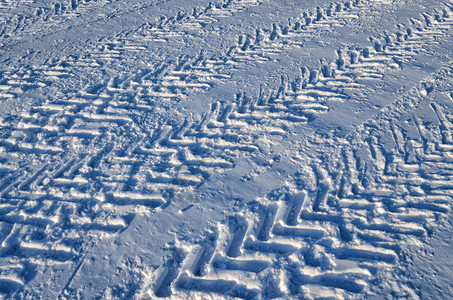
250,149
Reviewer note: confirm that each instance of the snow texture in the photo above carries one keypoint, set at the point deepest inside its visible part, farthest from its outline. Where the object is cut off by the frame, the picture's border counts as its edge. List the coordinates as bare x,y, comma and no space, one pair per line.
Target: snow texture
232,149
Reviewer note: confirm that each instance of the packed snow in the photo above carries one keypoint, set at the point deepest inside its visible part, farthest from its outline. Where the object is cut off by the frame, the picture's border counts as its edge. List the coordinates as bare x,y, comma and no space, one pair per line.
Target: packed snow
226,149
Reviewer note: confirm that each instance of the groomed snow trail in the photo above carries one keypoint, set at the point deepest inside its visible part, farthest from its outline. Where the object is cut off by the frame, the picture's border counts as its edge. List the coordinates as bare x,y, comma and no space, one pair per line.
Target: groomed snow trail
264,155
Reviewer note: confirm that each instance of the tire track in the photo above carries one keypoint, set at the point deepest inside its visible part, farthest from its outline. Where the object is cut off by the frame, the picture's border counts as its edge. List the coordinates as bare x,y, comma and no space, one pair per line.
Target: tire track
48,18
92,114
368,203
201,72
116,164
111,50
14,25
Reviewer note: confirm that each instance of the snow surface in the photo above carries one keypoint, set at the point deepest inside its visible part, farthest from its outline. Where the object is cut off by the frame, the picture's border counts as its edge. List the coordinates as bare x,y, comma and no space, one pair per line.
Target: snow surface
250,149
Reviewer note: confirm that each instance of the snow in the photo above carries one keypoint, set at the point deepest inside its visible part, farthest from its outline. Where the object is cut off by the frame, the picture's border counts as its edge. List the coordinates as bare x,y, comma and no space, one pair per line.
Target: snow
250,149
